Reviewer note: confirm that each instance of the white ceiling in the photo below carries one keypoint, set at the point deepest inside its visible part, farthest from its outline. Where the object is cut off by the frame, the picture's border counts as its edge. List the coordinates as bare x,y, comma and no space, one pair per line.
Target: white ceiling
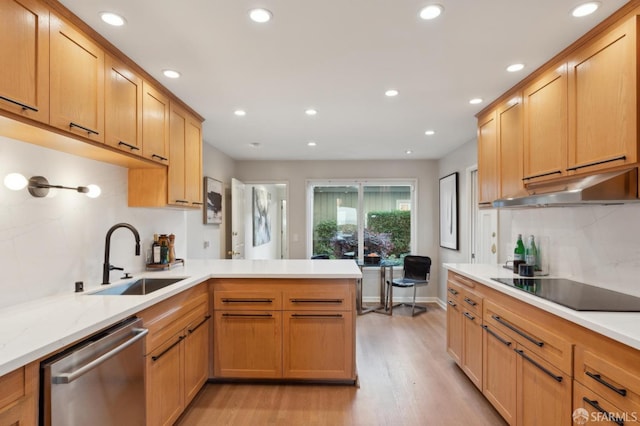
339,57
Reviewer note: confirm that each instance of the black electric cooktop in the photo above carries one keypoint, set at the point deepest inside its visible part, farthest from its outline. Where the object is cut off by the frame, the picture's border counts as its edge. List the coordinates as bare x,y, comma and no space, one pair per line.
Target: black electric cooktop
575,295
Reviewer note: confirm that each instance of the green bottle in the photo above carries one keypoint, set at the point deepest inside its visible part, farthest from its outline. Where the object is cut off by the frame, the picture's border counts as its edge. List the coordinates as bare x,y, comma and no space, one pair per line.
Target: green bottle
531,253
518,252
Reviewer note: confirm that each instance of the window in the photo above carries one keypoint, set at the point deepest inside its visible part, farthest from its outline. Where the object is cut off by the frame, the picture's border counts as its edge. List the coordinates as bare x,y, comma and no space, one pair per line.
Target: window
353,219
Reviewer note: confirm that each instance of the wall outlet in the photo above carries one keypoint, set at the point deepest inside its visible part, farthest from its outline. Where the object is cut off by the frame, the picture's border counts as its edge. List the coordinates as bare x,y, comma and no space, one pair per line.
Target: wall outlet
207,244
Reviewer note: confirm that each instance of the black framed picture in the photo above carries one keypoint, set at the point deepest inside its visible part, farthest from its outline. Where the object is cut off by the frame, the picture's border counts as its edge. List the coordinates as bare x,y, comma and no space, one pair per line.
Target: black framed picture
449,211
213,201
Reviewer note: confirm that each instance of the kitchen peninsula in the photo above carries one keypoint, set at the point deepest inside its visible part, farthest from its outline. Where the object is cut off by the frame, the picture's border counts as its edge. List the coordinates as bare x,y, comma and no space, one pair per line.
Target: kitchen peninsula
293,307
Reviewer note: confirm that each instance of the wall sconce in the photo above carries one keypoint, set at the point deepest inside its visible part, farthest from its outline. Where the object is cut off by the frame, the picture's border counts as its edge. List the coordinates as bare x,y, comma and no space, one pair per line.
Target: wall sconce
39,186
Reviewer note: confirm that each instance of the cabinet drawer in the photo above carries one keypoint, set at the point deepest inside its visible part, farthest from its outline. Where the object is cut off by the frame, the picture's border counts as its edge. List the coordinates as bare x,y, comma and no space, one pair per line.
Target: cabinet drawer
600,410
613,379
247,300
454,291
12,387
538,340
318,297
471,302
460,281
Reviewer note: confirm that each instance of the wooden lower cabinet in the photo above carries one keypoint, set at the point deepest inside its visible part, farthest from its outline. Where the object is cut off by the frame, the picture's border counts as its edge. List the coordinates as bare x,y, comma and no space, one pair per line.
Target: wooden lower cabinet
177,353
296,329
18,396
247,344
472,346
592,407
318,345
454,328
543,393
499,373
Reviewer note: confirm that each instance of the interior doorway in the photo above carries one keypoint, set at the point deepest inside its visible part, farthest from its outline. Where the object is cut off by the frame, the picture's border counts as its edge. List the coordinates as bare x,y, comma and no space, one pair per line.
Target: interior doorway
483,225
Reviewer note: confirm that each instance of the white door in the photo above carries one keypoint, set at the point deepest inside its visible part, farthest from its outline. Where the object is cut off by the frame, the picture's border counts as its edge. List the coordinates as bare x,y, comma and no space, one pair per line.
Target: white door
237,219
484,225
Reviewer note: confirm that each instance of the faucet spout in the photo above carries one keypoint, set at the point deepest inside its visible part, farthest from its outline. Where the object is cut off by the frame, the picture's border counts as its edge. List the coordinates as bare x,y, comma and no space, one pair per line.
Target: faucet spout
106,267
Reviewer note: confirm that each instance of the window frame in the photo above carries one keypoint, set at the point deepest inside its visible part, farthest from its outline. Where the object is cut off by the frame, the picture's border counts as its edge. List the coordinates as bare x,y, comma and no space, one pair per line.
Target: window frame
360,184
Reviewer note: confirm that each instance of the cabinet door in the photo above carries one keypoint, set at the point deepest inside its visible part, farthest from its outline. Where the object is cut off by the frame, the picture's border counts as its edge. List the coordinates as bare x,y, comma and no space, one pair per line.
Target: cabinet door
20,414
24,59
454,329
543,392
603,101
193,161
592,407
178,124
123,107
510,143
318,345
488,167
155,124
77,82
196,356
545,126
499,372
247,344
472,346
164,382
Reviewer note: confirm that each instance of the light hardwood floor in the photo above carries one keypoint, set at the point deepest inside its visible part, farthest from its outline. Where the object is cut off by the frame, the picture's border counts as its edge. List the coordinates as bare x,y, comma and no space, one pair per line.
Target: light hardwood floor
406,379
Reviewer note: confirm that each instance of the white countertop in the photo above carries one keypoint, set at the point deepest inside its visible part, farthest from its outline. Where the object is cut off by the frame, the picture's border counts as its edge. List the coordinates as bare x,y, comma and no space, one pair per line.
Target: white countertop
623,327
32,330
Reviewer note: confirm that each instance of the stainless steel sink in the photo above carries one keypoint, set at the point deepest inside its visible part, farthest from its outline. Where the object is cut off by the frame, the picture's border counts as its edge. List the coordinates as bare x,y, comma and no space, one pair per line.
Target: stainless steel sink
139,287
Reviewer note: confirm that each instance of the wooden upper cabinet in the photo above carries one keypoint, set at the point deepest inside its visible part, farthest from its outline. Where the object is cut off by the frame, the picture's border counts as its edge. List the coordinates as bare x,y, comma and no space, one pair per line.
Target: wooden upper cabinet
155,124
603,101
77,81
488,166
185,170
24,59
510,133
545,126
123,107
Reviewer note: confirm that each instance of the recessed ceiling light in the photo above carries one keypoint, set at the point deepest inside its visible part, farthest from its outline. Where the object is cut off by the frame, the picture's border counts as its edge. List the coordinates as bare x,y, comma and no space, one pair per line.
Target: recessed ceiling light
408,152
391,93
171,74
585,9
475,101
515,67
112,19
311,111
430,132
431,12
255,145
240,112
311,143
260,15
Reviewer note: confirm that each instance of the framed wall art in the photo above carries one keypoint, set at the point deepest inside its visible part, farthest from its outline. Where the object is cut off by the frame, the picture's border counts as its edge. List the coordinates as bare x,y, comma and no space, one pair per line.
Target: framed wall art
449,211
213,201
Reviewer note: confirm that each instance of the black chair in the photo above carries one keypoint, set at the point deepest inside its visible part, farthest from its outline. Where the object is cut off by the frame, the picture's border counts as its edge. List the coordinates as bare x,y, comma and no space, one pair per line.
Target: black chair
320,256
417,271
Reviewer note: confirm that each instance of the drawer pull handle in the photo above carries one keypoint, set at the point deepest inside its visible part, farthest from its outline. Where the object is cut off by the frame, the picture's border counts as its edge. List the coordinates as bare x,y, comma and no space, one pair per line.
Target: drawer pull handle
157,357
206,318
316,315
595,163
131,147
608,415
452,303
247,315
470,302
336,301
182,201
468,315
517,330
599,379
20,104
547,372
542,175
159,157
197,203
247,300
500,339
453,291
86,129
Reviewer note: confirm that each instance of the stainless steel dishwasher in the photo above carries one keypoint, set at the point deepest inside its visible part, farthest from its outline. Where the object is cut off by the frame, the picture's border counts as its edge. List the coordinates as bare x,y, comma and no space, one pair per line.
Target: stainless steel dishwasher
99,381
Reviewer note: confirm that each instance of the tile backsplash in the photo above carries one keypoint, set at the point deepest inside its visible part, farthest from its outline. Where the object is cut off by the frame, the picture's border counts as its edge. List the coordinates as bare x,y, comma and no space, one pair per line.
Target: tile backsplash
598,245
46,244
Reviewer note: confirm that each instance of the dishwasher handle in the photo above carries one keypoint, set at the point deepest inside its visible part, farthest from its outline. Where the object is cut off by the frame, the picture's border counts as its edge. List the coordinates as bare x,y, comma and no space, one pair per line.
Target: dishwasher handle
138,333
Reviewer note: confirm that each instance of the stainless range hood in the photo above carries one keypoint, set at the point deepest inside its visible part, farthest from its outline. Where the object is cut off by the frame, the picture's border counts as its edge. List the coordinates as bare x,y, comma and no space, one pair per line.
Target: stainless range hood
618,187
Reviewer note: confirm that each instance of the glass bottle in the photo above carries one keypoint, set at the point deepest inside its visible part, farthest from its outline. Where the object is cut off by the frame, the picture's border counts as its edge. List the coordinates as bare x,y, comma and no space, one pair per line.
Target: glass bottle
164,249
155,250
531,252
518,253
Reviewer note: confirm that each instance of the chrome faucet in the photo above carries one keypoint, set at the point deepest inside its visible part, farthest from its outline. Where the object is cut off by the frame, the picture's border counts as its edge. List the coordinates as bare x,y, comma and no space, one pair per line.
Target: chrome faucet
106,267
